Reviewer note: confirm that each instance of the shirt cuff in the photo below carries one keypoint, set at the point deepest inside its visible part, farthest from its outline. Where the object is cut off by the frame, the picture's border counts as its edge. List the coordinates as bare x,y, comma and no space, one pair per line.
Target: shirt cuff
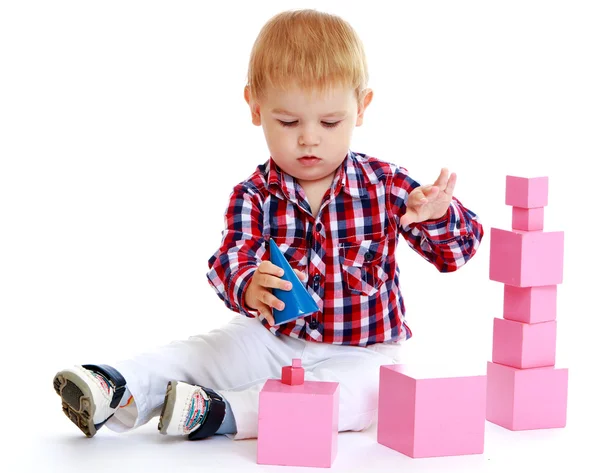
238,285
447,228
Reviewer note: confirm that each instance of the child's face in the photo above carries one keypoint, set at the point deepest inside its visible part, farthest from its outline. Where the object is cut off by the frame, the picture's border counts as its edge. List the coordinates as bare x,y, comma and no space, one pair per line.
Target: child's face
299,123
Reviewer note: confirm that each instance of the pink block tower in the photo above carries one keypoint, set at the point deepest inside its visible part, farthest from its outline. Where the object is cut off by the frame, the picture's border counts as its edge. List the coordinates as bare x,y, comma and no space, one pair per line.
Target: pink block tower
525,389
298,420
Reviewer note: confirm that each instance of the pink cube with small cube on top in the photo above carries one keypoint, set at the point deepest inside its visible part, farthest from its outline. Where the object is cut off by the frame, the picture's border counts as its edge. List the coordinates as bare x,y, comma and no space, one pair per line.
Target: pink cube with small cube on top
298,420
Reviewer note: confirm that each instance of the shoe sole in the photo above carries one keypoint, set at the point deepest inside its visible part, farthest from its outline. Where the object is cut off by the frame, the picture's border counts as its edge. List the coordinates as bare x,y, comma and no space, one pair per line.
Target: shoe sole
168,407
76,401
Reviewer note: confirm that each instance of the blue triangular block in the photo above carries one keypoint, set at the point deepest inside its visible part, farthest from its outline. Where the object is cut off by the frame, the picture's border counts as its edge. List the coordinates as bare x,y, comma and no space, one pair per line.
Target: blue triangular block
298,302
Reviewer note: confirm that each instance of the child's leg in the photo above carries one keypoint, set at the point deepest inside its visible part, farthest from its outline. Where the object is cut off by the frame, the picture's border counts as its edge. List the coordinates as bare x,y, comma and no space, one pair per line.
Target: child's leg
237,356
357,371
240,354
355,368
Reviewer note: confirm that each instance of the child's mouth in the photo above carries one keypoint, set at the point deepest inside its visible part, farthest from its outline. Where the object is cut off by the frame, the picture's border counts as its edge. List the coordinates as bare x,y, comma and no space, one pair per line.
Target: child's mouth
309,160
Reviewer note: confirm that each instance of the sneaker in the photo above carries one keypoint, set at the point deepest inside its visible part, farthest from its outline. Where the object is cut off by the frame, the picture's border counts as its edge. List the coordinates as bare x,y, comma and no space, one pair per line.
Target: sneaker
89,396
191,410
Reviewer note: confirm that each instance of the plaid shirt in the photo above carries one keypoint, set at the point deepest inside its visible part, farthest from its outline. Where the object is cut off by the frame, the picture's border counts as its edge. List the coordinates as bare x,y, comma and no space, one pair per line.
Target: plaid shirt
347,251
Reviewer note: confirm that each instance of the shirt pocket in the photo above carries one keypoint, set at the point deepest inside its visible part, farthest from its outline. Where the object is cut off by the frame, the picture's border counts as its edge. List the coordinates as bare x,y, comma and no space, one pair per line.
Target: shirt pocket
362,265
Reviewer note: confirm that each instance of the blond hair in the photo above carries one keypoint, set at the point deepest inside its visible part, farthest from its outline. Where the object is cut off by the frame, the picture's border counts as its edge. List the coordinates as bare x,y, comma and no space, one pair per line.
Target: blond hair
311,49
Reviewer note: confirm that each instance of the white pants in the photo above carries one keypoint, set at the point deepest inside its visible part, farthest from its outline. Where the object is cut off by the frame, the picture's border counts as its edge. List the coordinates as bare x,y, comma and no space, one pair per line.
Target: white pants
237,359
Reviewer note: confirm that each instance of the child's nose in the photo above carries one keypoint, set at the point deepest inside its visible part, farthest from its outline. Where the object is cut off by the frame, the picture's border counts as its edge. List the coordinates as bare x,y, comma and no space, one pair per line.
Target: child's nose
309,137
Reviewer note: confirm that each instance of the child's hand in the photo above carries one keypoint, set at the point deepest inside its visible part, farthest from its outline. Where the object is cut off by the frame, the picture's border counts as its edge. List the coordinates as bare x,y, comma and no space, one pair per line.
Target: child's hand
259,296
431,201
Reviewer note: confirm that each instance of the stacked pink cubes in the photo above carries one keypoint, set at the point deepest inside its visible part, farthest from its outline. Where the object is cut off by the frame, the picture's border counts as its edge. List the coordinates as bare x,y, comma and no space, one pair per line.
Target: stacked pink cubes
298,420
525,389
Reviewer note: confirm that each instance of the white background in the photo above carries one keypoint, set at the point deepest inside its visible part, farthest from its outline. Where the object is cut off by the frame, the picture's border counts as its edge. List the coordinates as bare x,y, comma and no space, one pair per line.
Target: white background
123,129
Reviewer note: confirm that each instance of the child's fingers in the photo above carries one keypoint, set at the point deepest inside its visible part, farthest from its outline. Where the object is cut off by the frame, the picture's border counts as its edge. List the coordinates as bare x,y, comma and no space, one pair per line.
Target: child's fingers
300,275
451,183
273,282
442,179
421,195
265,311
266,267
268,298
416,197
430,192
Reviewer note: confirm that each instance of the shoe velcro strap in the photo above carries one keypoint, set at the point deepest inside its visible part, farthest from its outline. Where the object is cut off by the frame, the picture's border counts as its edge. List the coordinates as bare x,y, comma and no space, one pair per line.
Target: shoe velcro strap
214,416
115,378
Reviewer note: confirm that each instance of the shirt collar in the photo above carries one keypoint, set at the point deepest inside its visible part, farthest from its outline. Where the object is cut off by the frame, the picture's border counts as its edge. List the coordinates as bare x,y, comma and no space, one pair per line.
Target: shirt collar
352,176
280,183
356,177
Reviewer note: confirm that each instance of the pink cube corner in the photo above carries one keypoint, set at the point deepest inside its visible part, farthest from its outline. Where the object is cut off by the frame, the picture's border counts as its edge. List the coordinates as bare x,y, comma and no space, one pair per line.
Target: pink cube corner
524,345
528,219
430,412
530,305
292,416
526,399
526,259
526,192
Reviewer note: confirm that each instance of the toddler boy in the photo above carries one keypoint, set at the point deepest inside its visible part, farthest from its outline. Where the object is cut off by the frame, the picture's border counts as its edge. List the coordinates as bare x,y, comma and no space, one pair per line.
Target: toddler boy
337,216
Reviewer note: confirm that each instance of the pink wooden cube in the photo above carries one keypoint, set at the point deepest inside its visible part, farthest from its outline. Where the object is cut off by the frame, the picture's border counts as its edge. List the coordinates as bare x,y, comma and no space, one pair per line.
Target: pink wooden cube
526,259
298,425
293,375
431,411
527,193
524,345
530,305
528,219
526,399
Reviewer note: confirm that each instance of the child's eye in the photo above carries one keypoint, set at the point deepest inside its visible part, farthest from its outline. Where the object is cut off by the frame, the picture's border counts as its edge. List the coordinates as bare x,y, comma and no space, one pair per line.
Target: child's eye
325,124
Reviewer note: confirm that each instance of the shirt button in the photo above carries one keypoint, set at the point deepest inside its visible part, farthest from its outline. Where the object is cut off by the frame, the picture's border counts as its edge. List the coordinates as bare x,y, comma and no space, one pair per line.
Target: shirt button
316,280
368,256
319,227
314,324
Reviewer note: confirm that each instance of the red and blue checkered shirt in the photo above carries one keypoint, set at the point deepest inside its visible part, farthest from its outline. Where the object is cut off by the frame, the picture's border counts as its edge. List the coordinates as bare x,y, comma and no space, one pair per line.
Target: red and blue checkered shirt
348,251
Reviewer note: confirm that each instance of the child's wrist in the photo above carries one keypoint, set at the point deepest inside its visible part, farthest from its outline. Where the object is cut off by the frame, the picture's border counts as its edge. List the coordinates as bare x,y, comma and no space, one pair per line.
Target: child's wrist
443,217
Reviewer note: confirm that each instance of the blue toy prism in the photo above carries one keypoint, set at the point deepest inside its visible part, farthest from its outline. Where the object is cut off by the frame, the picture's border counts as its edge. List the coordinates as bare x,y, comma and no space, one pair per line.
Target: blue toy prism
298,302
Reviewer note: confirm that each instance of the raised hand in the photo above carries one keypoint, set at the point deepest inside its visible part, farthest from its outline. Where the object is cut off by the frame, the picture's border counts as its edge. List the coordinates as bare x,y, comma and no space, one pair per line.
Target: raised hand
431,201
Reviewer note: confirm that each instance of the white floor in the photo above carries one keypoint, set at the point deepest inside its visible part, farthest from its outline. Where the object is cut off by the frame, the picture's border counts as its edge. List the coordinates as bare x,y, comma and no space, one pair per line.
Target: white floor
57,446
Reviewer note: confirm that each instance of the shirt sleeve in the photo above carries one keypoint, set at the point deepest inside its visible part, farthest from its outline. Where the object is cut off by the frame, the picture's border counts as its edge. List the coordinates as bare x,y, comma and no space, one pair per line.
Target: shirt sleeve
448,242
232,266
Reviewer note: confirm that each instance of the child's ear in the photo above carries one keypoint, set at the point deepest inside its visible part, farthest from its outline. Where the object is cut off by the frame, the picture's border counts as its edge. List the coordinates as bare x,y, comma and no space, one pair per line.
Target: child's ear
365,99
254,107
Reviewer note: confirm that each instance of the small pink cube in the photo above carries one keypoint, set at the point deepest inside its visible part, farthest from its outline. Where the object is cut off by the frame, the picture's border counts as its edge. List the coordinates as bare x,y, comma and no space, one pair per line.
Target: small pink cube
527,399
526,259
298,425
528,220
530,305
524,345
293,375
431,411
527,193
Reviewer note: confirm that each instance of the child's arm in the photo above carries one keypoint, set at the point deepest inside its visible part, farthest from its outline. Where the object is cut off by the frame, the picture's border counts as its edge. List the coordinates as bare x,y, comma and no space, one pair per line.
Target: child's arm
433,222
232,266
